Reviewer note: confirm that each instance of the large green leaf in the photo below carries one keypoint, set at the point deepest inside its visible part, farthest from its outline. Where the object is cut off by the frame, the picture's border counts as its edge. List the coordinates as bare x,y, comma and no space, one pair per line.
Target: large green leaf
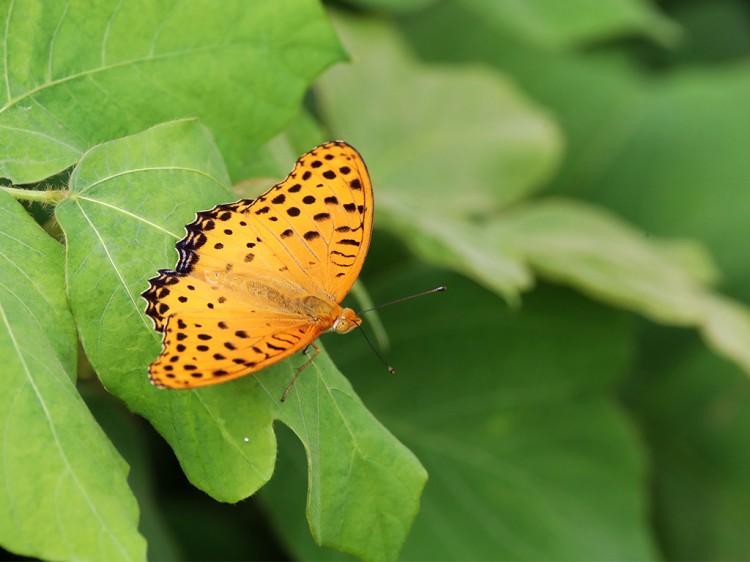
146,476
128,203
512,414
64,490
77,73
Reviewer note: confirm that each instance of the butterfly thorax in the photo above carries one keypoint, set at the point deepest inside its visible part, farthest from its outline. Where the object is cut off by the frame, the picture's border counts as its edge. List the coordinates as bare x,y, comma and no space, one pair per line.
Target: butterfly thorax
334,317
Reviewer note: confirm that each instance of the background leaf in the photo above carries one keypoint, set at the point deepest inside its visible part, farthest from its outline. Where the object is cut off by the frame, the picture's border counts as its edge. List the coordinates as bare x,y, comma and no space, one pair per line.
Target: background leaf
655,135
665,153
576,22
472,229
584,246
498,147
64,490
470,129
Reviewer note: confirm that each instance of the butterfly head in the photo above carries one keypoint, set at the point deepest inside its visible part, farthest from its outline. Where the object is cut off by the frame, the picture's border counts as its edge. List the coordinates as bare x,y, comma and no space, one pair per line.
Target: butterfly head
346,322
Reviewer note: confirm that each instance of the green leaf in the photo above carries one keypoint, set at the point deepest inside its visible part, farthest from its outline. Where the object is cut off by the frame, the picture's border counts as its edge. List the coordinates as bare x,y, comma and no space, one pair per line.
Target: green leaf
458,244
77,74
727,328
691,256
396,6
129,201
696,188
699,22
64,489
695,415
440,139
515,419
591,249
566,242
442,145
132,442
617,119
575,22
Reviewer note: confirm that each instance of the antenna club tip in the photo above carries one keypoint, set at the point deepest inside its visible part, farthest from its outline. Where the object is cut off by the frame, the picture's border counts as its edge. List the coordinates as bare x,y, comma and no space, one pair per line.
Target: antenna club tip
440,289
391,370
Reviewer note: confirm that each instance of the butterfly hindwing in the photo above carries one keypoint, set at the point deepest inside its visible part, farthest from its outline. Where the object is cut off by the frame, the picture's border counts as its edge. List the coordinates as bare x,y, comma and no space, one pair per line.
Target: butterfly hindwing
200,350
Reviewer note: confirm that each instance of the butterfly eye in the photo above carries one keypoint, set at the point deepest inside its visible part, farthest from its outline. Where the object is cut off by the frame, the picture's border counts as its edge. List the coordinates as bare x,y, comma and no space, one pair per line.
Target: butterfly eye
346,322
344,326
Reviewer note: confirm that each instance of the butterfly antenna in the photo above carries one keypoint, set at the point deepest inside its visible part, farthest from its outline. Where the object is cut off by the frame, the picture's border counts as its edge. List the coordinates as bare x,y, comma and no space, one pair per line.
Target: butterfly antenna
402,299
391,370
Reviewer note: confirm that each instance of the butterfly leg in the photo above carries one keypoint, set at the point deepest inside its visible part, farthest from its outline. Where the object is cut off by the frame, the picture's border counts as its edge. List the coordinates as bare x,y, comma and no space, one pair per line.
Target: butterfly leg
301,368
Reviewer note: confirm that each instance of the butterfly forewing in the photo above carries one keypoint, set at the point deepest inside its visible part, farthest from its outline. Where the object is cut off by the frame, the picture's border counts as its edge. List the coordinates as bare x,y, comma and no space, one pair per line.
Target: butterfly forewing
318,222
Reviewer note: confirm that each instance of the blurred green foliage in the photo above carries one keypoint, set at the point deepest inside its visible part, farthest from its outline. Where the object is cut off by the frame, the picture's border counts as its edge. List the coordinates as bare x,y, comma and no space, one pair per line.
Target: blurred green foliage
516,146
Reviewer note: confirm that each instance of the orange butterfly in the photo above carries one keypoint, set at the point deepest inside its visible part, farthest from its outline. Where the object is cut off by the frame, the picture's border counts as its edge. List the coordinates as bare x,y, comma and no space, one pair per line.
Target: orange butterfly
258,280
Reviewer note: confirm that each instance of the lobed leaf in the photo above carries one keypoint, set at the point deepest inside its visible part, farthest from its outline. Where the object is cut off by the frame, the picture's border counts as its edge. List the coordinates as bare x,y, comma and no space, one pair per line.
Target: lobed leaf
128,204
